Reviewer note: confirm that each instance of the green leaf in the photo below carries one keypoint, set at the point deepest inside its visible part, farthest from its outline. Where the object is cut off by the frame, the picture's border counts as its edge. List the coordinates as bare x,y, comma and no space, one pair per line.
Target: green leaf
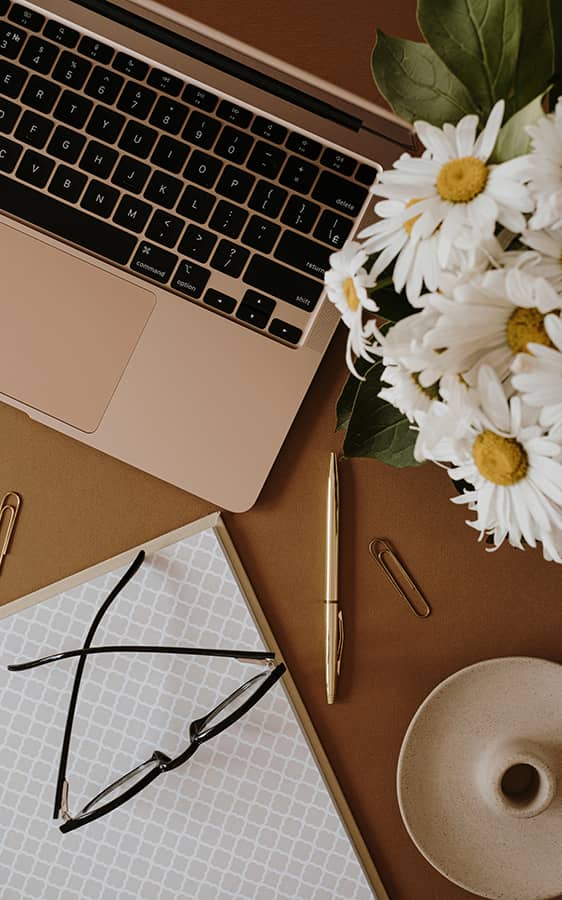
556,14
478,40
513,140
346,399
535,63
376,428
416,83
392,306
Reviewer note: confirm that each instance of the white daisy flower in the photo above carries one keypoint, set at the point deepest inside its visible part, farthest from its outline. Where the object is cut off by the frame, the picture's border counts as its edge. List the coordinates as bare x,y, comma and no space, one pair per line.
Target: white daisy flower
347,282
453,188
446,420
406,392
545,169
404,345
489,319
515,470
546,261
538,375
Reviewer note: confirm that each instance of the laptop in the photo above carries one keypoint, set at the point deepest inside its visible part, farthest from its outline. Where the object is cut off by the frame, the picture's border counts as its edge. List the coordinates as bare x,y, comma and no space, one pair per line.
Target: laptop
169,200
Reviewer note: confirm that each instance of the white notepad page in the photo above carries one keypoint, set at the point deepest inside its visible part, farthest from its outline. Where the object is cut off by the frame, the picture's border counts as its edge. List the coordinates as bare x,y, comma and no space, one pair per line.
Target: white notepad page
249,816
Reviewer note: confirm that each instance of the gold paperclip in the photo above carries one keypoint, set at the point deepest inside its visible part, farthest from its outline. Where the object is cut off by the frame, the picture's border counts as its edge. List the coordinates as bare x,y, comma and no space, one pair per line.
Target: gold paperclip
9,504
379,548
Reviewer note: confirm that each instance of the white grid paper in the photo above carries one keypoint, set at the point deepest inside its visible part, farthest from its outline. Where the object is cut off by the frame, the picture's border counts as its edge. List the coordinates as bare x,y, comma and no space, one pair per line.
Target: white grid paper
248,817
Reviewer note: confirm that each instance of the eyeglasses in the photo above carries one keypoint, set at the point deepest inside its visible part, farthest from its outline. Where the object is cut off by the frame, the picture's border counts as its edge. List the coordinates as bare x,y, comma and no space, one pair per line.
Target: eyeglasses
229,711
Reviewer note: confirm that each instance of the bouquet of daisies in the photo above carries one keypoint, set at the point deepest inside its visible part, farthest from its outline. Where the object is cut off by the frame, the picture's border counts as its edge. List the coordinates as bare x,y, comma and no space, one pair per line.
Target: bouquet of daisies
453,298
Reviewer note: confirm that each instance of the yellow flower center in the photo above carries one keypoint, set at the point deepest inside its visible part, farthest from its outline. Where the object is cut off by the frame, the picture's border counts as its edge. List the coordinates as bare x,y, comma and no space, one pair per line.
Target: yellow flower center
409,224
350,293
432,391
461,180
526,326
499,459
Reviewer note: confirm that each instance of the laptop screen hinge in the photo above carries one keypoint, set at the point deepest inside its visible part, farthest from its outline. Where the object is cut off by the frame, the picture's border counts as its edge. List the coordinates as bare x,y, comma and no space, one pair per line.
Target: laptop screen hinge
219,61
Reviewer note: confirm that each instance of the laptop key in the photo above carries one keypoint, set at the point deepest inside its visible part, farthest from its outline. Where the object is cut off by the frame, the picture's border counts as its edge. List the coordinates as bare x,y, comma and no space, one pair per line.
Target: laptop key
61,34
298,174
218,300
12,79
135,68
261,234
233,145
271,131
259,301
271,277
196,204
256,317
136,100
163,189
35,168
4,7
333,229
304,146
73,109
170,154
230,258
366,174
9,113
333,159
40,94
340,194
200,97
164,228
228,219
33,129
154,262
71,70
98,159
266,160
190,279
268,199
235,184
67,222
164,81
230,112
201,130
138,139
100,198
287,332
202,169
300,214
302,253
95,50
104,85
105,124
130,174
11,40
25,17
39,55
197,243
10,152
67,183
132,213
169,115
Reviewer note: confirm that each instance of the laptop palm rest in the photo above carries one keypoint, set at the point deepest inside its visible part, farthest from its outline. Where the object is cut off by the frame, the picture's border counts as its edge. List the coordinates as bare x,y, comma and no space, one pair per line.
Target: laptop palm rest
69,326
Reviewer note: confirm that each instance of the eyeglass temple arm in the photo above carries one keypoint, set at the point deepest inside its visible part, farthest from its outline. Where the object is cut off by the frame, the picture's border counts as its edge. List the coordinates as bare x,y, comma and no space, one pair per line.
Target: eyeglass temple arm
61,777
243,655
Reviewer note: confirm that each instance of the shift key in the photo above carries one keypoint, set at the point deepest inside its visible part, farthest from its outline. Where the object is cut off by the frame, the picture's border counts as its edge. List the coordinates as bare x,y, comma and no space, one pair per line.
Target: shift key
278,281
339,193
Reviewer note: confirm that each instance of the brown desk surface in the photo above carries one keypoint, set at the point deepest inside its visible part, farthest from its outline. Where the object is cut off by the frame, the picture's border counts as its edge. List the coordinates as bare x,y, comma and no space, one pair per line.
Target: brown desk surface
81,507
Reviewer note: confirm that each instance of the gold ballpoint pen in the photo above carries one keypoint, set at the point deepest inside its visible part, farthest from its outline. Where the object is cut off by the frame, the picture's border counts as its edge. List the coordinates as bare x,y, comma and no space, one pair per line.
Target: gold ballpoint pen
334,618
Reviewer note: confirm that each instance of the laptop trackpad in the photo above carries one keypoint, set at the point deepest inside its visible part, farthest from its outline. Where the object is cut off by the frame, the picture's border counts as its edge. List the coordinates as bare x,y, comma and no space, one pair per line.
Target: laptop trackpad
69,329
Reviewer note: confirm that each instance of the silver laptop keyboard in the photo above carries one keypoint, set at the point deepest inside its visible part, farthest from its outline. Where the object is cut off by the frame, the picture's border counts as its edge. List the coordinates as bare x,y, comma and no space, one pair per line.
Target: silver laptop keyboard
166,178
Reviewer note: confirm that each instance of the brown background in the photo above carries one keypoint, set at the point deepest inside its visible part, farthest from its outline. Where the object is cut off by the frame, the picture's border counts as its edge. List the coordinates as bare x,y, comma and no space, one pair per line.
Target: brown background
81,506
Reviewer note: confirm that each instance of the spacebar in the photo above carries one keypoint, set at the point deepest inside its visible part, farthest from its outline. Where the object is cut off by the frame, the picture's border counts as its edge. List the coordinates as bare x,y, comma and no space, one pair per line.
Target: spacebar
65,222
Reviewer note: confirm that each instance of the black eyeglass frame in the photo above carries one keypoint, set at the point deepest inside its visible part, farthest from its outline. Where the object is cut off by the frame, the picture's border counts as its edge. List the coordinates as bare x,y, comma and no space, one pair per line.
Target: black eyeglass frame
198,732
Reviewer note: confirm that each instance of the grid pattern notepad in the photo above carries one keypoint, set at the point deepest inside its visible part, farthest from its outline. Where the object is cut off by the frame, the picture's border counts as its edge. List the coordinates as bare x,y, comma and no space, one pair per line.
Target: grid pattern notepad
247,817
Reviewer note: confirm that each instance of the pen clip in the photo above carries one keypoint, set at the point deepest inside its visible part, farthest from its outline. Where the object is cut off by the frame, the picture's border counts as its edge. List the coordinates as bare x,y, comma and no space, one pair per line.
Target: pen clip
11,507
379,548
339,649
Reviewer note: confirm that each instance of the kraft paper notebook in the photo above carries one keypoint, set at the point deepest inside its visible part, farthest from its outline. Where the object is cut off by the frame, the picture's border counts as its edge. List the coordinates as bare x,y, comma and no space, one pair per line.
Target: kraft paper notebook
256,814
